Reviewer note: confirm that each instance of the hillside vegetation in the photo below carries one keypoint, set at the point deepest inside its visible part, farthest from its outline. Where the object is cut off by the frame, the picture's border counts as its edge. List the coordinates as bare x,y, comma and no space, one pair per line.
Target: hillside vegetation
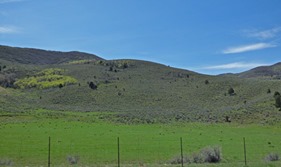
46,79
134,91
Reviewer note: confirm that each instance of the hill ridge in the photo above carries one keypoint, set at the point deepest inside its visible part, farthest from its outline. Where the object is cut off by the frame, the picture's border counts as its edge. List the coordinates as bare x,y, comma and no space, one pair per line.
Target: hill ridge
42,57
269,72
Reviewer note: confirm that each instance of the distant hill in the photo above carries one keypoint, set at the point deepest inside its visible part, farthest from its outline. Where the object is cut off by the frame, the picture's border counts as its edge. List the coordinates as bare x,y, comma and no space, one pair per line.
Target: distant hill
270,72
41,57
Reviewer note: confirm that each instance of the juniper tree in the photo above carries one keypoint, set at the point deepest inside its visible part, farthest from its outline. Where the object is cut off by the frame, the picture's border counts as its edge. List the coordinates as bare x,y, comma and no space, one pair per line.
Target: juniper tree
92,85
206,82
231,91
277,98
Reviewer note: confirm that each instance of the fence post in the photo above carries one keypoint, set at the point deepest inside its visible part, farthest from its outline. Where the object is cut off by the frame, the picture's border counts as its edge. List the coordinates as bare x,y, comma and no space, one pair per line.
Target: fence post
49,152
118,147
181,152
245,153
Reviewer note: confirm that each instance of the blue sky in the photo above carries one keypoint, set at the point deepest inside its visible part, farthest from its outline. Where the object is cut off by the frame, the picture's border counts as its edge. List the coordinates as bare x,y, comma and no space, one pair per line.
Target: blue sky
206,36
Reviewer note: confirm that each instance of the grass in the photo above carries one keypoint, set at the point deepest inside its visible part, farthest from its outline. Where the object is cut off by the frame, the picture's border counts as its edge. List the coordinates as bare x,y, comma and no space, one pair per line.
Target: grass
25,140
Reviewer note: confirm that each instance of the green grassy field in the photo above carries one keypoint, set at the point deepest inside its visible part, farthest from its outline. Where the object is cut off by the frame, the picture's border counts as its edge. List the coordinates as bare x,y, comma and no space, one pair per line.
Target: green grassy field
24,140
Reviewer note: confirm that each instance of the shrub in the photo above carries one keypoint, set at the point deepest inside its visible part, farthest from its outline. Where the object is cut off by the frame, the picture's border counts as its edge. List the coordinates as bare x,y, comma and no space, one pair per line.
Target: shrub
198,158
73,159
177,160
7,80
208,155
211,154
272,157
81,61
6,162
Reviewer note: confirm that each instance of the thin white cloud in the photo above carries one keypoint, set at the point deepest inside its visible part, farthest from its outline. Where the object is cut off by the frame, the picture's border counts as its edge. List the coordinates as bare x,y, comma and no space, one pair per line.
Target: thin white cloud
8,30
265,34
246,48
9,1
236,65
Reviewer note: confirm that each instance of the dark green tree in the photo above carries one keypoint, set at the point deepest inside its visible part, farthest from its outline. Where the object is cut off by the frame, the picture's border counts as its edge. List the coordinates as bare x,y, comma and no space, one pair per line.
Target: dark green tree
60,85
276,94
207,82
92,85
231,91
278,102
277,98
125,65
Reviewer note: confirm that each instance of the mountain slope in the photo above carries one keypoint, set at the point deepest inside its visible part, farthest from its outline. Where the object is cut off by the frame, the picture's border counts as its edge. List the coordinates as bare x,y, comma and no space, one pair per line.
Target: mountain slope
41,57
270,72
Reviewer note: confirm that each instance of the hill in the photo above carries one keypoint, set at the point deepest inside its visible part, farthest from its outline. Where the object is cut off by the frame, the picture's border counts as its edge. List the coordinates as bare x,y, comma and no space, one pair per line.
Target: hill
134,91
269,72
41,57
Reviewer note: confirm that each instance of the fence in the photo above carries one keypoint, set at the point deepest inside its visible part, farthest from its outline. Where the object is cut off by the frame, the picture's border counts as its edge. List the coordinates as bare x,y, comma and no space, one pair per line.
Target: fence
118,151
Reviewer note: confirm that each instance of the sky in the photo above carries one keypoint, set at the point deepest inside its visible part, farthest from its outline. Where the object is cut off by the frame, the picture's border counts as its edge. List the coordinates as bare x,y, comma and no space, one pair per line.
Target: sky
206,36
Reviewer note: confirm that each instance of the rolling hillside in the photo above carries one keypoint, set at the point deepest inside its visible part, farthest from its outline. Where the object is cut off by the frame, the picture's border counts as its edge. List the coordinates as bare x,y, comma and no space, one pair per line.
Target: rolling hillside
133,91
269,72
41,57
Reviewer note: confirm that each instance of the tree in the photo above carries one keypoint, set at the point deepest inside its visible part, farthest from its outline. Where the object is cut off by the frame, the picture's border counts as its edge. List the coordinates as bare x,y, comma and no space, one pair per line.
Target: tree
278,102
125,65
268,91
227,119
277,98
206,82
92,85
276,94
231,91
60,85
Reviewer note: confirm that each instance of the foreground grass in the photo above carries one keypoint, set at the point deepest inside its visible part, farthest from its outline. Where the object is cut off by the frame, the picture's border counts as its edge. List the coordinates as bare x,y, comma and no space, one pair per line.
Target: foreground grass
24,141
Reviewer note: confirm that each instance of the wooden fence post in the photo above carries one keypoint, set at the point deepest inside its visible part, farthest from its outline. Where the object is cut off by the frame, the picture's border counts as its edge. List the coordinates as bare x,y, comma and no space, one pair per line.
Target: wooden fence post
245,153
181,152
49,152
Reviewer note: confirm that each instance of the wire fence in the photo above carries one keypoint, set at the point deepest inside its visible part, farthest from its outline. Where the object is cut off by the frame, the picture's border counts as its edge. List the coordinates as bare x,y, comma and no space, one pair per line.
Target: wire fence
119,151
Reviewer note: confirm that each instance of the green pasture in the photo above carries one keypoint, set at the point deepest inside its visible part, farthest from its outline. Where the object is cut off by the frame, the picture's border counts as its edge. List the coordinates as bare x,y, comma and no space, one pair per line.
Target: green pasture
24,141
